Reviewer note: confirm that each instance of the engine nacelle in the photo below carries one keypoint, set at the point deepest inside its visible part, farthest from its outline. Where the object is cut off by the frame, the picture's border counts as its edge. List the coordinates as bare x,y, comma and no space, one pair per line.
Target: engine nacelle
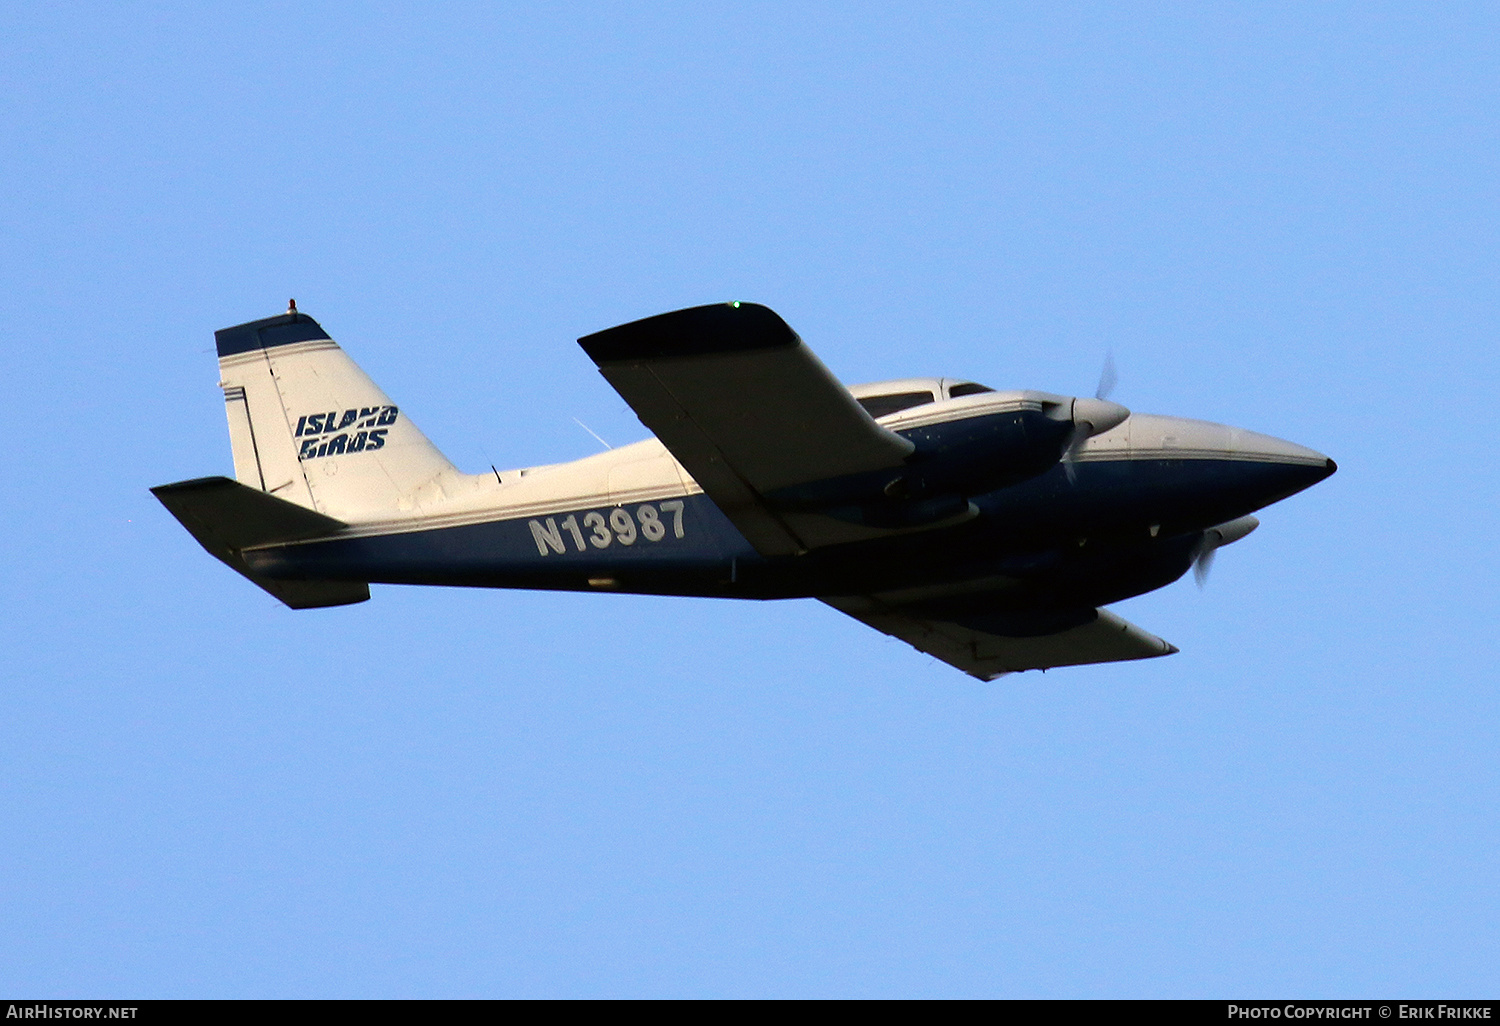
958,458
979,454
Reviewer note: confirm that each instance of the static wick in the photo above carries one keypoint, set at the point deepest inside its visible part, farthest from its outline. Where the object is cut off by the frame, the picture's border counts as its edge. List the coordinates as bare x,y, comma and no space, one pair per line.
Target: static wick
291,306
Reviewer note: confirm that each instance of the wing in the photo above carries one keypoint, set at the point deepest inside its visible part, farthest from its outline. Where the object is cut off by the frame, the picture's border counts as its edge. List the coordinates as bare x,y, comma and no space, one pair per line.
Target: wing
971,644
748,410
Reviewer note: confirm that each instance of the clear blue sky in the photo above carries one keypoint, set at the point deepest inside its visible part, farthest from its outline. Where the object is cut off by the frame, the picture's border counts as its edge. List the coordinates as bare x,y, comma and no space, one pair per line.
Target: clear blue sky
1282,217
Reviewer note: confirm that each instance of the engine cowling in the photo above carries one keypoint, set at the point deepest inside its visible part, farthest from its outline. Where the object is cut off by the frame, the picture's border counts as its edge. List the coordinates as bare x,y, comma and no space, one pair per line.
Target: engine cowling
974,455
961,457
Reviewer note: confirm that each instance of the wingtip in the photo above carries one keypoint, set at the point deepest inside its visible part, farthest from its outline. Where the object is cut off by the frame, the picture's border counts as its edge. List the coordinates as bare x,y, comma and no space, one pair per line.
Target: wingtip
697,331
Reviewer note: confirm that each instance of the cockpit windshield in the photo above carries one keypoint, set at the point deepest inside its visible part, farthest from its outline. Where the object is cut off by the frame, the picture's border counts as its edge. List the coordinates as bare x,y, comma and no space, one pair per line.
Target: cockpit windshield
878,406
968,388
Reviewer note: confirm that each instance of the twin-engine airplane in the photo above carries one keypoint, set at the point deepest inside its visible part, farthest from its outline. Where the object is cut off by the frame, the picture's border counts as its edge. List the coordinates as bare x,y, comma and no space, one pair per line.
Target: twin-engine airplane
982,527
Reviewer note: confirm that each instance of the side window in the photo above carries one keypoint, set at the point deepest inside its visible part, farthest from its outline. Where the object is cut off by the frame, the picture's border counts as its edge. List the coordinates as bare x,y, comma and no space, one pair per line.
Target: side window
879,406
968,388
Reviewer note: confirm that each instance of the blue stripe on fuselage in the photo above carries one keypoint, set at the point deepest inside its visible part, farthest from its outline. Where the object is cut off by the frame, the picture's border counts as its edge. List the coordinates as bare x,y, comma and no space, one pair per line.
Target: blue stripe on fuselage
650,547
1022,530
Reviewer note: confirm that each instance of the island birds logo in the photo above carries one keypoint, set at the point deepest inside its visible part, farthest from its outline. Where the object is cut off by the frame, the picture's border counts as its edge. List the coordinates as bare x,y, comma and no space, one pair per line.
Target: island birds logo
361,429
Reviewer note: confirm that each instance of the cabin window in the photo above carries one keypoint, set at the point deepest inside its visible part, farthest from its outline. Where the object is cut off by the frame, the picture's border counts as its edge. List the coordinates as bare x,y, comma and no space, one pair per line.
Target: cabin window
879,406
968,388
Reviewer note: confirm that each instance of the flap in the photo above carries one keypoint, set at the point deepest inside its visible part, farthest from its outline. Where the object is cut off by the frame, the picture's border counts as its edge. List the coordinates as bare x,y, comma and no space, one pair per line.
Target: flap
1103,637
748,409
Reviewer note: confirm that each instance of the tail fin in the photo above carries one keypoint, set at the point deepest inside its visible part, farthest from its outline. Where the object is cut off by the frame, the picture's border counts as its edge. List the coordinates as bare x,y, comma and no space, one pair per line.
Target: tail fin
308,426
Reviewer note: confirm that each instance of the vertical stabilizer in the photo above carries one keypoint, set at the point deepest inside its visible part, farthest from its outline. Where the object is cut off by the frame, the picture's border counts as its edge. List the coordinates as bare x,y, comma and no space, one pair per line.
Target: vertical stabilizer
308,426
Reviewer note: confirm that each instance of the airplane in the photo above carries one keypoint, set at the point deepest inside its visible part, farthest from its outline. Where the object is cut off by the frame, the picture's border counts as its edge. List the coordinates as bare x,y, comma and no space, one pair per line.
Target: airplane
983,527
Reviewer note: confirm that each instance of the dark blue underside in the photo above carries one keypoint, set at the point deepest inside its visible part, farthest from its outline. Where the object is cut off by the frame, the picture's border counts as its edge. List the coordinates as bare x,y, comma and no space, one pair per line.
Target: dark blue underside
1086,542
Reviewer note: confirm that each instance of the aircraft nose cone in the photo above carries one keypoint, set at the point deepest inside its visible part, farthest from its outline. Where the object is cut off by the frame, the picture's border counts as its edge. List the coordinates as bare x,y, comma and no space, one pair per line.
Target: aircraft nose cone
1297,467
1278,450
1239,471
1304,475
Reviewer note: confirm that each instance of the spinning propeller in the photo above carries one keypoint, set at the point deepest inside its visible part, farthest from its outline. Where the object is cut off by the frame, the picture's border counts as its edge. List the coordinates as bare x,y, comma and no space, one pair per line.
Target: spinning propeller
1214,539
1093,416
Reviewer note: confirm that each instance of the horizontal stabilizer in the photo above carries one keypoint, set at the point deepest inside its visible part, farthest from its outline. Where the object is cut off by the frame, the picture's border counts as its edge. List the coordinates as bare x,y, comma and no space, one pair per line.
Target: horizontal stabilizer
227,517
1103,638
